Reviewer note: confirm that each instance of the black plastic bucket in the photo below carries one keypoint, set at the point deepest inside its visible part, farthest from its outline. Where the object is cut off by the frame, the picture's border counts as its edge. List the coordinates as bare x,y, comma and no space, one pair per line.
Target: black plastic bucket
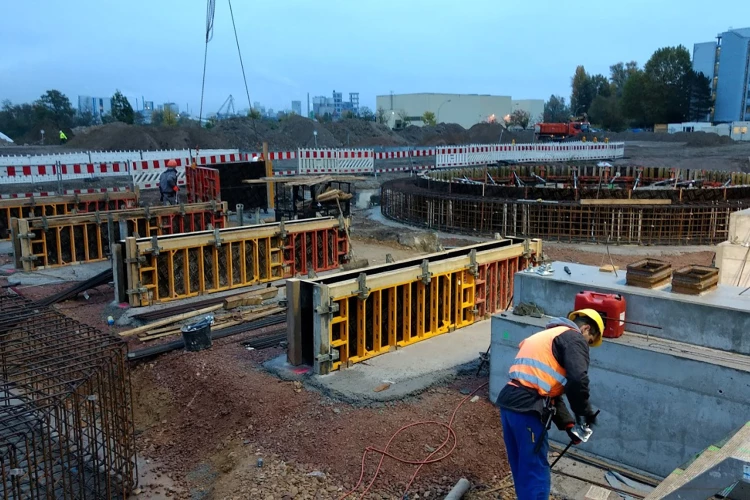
197,336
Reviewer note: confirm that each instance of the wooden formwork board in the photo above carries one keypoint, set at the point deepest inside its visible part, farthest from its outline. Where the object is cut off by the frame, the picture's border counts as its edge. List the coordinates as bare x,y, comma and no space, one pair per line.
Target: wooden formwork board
43,242
162,269
361,314
61,205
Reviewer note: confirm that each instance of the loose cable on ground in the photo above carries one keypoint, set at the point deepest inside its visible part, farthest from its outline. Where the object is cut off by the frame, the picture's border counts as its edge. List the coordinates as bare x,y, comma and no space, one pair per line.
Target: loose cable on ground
430,458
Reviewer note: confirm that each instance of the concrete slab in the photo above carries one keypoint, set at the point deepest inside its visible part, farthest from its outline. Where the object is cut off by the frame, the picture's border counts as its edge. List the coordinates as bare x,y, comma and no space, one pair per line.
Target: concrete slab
409,370
54,275
717,319
661,401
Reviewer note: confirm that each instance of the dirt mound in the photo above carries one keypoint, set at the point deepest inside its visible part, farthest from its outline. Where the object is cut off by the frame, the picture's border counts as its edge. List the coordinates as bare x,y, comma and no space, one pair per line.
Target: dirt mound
290,133
360,133
120,136
442,134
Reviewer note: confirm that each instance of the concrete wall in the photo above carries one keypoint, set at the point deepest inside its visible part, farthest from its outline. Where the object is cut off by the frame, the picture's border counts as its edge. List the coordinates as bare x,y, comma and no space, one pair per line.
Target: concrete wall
740,131
464,109
658,409
731,97
732,255
718,319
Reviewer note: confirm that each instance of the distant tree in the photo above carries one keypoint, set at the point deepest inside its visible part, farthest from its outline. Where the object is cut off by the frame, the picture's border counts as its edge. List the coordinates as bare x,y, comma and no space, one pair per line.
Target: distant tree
122,111
157,117
668,85
700,97
606,111
366,114
428,118
55,106
324,118
139,118
555,110
382,115
17,120
254,114
404,117
520,118
583,91
108,118
601,86
633,103
170,117
184,120
619,74
85,119
347,115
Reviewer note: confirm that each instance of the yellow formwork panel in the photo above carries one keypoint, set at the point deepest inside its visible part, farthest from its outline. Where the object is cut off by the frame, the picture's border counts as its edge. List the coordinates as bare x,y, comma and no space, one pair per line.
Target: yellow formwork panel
400,315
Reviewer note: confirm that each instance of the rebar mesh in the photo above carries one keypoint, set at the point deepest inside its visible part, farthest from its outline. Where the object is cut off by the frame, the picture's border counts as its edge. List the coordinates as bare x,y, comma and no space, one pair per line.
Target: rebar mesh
66,420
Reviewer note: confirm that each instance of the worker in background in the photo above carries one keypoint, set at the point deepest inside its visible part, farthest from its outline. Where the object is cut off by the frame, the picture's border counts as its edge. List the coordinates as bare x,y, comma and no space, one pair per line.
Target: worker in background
549,364
63,137
168,184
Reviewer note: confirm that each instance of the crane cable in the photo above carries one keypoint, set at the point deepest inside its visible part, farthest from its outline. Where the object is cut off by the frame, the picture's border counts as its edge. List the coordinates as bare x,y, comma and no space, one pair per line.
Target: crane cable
247,90
210,10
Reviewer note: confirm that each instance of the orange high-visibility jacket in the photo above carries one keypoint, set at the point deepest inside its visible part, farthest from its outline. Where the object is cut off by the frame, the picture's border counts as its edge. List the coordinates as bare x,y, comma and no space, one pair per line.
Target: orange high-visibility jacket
535,366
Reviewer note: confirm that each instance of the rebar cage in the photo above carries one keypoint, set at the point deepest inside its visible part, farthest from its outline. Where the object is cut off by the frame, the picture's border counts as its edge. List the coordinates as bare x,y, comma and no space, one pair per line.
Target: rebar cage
66,419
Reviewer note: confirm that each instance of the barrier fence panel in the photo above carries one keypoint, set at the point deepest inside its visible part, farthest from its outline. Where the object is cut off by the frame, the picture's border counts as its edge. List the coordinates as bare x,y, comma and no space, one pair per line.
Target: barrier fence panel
167,268
317,161
355,161
42,242
349,317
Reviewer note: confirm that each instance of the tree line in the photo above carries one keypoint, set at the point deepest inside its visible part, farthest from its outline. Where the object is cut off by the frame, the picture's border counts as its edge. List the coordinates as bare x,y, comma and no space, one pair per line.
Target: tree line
665,90
53,111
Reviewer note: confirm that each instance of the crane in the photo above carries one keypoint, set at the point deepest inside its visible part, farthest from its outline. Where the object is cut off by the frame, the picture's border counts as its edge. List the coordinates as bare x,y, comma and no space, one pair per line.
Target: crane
229,106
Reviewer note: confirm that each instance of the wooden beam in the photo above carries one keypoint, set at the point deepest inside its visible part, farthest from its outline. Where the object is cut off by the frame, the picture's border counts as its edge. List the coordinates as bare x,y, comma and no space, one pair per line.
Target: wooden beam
171,319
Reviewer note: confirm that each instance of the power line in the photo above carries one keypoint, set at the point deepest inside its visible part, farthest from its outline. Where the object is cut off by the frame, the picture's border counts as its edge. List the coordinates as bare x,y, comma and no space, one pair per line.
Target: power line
247,90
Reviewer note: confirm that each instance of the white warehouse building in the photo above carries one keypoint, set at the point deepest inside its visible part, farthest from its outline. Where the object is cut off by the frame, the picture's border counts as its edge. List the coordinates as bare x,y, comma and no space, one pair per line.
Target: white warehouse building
463,109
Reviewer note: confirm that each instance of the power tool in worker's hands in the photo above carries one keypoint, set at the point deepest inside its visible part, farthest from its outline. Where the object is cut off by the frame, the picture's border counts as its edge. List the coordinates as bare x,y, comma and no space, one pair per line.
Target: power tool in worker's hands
579,433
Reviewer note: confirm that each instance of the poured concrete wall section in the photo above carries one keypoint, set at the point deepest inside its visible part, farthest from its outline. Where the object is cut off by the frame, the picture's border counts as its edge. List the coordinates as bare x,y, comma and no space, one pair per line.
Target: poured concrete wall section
719,319
732,255
661,402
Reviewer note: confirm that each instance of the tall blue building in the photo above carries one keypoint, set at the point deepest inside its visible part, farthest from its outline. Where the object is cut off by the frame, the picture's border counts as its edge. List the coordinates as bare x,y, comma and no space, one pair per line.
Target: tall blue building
727,63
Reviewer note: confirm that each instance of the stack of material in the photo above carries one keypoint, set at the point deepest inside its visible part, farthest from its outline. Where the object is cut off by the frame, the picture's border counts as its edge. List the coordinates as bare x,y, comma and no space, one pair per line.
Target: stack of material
171,325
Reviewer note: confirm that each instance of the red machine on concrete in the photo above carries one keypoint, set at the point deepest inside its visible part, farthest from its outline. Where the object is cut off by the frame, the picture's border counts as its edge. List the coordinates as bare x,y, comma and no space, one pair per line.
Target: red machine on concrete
560,131
610,306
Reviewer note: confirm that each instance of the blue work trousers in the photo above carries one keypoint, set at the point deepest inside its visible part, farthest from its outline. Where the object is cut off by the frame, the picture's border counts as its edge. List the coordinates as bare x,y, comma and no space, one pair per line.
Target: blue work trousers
531,472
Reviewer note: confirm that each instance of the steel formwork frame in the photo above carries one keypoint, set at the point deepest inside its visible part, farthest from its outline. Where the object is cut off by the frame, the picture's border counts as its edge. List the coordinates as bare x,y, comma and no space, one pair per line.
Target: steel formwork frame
43,242
350,317
61,205
66,419
594,221
162,269
202,184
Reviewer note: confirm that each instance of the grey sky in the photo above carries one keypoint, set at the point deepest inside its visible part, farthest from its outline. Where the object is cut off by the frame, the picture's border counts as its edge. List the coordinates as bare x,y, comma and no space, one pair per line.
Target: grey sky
290,47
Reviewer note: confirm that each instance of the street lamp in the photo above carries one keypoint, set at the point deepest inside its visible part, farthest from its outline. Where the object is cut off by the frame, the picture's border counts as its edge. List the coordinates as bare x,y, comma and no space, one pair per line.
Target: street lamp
315,136
437,118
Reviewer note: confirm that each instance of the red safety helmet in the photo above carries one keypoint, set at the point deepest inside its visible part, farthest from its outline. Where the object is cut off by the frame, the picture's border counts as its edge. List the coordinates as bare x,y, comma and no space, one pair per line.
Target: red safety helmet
171,164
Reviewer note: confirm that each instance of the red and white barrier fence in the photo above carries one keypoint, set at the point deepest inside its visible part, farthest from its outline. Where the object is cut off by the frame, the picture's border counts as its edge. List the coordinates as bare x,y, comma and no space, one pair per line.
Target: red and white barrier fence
335,161
481,154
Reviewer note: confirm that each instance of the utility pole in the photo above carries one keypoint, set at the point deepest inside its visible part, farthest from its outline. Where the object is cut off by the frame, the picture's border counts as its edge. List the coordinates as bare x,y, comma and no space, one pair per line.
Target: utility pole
308,104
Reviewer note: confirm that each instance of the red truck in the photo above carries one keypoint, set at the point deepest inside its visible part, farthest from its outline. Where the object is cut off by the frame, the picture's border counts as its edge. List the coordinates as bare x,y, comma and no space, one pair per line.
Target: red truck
560,131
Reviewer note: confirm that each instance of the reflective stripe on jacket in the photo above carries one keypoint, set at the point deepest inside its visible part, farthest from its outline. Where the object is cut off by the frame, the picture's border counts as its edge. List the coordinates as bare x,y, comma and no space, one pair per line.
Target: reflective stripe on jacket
535,365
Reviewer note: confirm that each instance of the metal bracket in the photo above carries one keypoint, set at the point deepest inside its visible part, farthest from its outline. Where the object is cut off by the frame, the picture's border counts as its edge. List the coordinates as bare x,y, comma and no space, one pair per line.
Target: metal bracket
147,213
282,230
182,210
136,291
155,249
213,205
311,274
527,249
331,308
30,258
331,356
45,224
217,238
362,291
426,276
136,260
473,267
98,218
240,214
27,236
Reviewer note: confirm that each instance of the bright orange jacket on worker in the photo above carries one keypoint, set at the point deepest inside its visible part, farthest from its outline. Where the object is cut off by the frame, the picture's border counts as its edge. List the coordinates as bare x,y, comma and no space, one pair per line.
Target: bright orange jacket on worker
535,366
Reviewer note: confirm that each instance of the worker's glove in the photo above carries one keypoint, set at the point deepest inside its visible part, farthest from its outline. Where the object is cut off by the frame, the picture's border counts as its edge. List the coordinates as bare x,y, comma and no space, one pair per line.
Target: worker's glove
573,438
590,418
175,189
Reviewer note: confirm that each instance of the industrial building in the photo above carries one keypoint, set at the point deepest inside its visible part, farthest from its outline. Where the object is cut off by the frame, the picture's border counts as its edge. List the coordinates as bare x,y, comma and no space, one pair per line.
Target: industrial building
96,106
463,109
297,107
335,106
725,63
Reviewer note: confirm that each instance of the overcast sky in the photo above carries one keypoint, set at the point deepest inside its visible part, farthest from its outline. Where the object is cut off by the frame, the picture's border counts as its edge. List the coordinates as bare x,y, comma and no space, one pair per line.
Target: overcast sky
154,48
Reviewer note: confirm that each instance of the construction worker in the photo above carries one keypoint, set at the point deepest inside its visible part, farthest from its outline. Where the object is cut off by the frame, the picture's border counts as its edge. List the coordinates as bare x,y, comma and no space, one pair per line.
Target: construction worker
168,184
63,137
549,364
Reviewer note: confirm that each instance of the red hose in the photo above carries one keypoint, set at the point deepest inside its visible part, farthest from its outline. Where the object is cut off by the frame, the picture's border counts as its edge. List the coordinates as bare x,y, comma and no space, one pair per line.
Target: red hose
429,460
